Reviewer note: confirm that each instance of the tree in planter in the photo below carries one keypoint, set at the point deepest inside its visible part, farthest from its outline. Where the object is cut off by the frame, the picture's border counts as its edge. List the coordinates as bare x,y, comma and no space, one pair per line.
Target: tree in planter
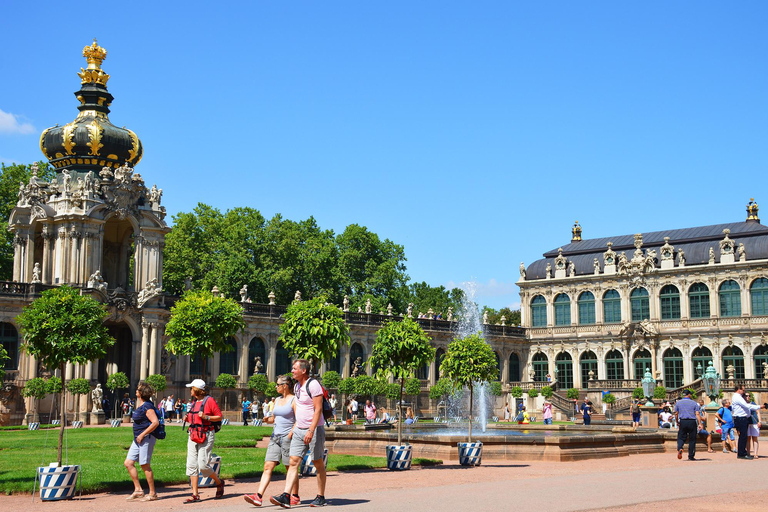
468,361
660,392
609,399
271,390
547,392
516,392
78,387
638,393
35,388
63,326
158,383
226,381
258,384
572,393
201,323
533,393
331,379
115,383
440,390
399,350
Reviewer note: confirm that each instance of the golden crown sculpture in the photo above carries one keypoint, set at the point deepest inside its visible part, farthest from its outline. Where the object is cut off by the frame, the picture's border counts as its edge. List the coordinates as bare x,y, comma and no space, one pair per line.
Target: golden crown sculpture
95,55
752,210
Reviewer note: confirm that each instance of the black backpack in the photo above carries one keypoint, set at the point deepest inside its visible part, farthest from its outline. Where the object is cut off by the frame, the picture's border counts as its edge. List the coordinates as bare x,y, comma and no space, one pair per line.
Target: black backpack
327,409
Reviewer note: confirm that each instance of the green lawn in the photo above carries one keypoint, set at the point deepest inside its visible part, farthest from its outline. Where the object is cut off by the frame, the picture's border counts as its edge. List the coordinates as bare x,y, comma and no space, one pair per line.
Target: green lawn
101,452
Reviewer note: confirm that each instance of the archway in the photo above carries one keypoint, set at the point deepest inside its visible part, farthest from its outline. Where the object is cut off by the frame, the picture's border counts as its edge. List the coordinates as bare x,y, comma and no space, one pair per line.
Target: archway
228,360
9,337
735,357
257,348
642,362
588,363
564,367
700,359
540,367
673,368
355,351
514,367
282,360
117,254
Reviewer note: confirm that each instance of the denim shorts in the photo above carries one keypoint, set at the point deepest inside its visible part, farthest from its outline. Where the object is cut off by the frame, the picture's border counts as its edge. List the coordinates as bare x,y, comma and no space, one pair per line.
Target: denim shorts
142,452
725,431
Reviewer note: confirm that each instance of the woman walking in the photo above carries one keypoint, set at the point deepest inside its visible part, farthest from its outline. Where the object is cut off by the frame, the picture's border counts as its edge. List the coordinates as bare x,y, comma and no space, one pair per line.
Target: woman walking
144,423
279,449
202,414
753,431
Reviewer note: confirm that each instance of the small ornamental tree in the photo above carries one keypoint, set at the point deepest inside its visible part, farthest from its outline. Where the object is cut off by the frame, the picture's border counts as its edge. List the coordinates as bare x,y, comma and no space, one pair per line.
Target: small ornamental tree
413,388
158,383
533,393
314,330
547,392
271,390
393,391
35,388
572,393
660,392
63,326
516,391
401,348
201,323
469,361
115,383
79,387
494,388
440,390
609,398
3,358
331,379
258,383
226,381
638,393
54,387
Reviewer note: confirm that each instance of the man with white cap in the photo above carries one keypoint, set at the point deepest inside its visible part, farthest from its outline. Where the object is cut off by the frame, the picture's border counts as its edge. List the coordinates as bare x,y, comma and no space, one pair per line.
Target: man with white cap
201,416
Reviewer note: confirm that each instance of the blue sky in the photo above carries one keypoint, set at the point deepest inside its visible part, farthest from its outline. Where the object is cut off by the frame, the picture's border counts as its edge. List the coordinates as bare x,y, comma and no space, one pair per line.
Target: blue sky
473,133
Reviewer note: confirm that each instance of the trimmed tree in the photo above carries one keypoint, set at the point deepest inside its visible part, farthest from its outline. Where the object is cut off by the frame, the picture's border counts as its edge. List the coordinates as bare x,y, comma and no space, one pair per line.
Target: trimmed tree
201,323
258,384
516,392
226,381
547,392
638,393
79,387
331,379
469,361
158,383
440,390
36,389
3,358
63,326
115,383
533,393
572,393
400,349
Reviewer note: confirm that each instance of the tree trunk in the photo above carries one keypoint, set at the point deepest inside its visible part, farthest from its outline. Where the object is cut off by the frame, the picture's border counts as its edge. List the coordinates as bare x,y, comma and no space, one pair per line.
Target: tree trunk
400,414
63,410
470,412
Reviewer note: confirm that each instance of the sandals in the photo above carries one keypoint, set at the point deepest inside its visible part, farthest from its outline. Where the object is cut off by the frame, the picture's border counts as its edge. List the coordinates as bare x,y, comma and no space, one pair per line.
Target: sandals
220,489
192,499
150,497
135,496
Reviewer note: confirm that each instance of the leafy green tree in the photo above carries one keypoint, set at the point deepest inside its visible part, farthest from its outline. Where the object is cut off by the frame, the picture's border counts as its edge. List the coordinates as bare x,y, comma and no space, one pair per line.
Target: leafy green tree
533,393
226,381
3,358
79,387
115,383
63,326
638,393
35,388
158,383
258,383
440,390
438,298
54,387
494,388
516,391
393,391
660,392
331,379
271,390
547,392
511,317
401,348
468,361
572,393
314,330
201,323
609,398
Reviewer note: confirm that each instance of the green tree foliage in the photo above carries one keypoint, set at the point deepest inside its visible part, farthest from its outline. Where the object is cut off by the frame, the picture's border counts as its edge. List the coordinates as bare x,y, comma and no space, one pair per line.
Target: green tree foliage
412,387
79,386
158,383
533,393
572,393
35,388
3,358
547,392
10,178
258,383
393,391
438,298
638,393
347,386
226,381
516,391
660,392
313,330
331,379
271,390
609,398
468,361
512,317
63,326
201,323
440,390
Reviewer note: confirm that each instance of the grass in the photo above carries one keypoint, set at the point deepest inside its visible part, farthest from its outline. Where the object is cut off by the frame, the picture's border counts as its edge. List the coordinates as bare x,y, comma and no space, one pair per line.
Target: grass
101,452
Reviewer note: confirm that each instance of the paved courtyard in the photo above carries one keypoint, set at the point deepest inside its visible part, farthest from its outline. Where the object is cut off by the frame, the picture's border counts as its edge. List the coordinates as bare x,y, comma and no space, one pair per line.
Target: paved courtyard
638,482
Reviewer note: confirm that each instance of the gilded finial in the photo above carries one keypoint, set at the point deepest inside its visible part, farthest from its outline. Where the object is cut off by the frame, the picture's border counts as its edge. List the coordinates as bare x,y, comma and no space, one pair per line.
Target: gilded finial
95,55
752,210
576,232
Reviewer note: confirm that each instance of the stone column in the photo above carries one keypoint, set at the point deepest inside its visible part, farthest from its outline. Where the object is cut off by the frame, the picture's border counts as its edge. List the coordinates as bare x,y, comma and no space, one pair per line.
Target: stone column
574,311
153,349
688,374
344,358
271,360
598,308
626,308
684,310
504,370
746,303
46,264
244,369
577,371
550,312
627,373
714,298
144,354
654,363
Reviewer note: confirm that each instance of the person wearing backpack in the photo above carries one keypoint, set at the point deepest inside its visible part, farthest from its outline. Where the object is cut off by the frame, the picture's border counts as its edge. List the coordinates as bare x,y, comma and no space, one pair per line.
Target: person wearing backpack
635,409
145,422
204,419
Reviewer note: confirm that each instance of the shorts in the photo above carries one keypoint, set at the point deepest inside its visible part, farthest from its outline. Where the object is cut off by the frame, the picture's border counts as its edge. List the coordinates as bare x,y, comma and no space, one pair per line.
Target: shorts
316,447
725,431
199,456
142,452
636,417
279,450
703,433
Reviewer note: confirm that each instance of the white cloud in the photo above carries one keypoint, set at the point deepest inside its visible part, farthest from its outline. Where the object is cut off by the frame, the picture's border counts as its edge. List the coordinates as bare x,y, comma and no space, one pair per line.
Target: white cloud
9,123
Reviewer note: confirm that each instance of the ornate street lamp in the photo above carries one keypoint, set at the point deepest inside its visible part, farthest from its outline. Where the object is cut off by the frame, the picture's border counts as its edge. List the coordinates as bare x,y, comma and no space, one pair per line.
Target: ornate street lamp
711,384
649,385
699,370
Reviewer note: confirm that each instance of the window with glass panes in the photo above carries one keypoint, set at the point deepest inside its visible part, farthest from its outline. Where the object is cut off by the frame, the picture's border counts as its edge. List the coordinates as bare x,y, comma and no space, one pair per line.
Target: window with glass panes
673,368
614,365
540,367
228,360
10,339
759,296
196,367
611,307
283,359
539,311
564,365
670,302
642,361
638,301
588,362
734,356
698,300
730,298
562,310
514,367
586,308
700,359
760,357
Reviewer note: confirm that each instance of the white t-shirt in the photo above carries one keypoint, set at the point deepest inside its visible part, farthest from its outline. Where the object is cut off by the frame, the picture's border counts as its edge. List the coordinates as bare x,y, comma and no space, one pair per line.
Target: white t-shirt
666,417
169,405
354,405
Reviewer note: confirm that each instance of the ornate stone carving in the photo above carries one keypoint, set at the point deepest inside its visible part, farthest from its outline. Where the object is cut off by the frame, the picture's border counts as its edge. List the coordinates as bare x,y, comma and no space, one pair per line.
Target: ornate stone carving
368,306
122,193
96,396
151,289
244,293
36,274
609,257
596,265
742,253
549,271
726,244
485,318
258,366
96,281
297,296
450,314
711,256
522,271
571,269
155,194
409,312
389,309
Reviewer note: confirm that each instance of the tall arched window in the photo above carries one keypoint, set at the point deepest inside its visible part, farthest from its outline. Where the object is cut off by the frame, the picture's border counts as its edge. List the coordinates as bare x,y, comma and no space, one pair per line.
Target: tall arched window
540,367
698,300
439,356
282,360
562,310
700,359
759,294
642,361
734,356
564,366
228,360
10,339
673,368
614,365
514,367
670,302
355,351
588,363
256,348
539,311
760,357
586,308
730,298
638,301
611,307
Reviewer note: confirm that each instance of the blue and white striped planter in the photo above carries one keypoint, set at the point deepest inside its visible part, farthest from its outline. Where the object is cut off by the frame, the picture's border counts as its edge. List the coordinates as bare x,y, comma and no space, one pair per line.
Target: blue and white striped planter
470,454
225,421
207,481
55,422
77,424
495,418
307,467
399,457
59,483
115,423
256,423
35,425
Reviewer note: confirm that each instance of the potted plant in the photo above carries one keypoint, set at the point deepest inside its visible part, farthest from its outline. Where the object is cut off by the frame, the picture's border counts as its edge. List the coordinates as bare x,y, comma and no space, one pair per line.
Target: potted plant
347,389
469,361
399,350
60,327
36,389
226,381
79,387
115,383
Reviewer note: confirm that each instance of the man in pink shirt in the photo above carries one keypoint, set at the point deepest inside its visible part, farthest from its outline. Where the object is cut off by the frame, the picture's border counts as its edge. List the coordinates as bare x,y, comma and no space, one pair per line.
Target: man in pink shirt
370,411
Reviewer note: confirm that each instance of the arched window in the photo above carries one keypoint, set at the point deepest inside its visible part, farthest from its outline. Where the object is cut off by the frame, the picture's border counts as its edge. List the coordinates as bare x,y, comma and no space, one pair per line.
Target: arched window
10,339
700,359
562,310
588,362
539,311
638,300
642,361
423,372
586,308
614,365
733,356
514,367
611,307
670,302
730,298
540,367
759,294
228,360
673,368
256,348
564,367
355,351
698,300
282,360
761,358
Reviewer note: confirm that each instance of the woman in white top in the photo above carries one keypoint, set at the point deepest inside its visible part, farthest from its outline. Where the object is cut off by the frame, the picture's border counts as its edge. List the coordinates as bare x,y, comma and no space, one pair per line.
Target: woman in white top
754,427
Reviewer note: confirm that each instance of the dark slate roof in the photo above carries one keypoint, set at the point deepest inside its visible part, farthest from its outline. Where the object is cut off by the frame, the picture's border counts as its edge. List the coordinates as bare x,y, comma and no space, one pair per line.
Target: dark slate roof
695,242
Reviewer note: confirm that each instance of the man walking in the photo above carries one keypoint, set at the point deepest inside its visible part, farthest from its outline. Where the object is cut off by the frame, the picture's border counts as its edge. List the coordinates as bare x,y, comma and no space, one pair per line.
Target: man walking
308,434
688,419
246,411
742,410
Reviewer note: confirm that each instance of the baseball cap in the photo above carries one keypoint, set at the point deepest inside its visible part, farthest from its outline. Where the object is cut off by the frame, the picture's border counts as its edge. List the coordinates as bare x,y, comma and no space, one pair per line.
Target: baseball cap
687,392
197,383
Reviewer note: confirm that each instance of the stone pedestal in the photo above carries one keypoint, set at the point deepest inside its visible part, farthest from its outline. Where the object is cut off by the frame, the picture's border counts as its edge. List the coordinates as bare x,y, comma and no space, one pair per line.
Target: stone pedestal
711,425
126,418
31,418
83,416
649,416
98,418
